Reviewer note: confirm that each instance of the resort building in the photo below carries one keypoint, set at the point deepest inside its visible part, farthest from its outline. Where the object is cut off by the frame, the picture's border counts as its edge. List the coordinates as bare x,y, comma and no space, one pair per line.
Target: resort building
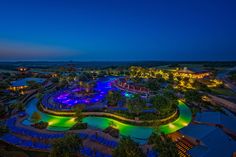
140,72
124,85
217,118
210,132
23,83
214,143
186,73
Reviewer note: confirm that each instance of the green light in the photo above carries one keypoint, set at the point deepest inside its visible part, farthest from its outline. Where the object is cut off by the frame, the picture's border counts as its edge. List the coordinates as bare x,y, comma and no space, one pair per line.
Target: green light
183,120
128,95
62,123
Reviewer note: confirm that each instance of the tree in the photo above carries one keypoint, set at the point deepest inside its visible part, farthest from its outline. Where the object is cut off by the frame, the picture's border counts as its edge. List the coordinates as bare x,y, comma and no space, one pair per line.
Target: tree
66,147
85,76
161,103
20,106
78,113
4,85
35,117
165,103
2,109
54,79
169,94
164,145
193,96
153,84
156,127
136,104
3,128
62,83
39,96
88,87
41,88
33,84
127,148
113,97
102,73
232,76
72,74
200,86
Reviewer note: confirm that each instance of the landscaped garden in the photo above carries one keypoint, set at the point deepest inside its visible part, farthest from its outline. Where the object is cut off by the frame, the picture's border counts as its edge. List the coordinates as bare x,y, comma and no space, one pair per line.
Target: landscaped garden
99,110
109,111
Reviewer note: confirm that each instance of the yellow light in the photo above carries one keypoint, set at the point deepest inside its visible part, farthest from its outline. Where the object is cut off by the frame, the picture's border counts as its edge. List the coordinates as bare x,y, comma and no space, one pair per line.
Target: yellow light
185,124
72,119
171,125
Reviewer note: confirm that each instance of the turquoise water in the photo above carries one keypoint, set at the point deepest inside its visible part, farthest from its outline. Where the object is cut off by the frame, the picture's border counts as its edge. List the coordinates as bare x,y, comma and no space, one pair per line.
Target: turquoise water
138,133
62,123
185,117
142,132
56,123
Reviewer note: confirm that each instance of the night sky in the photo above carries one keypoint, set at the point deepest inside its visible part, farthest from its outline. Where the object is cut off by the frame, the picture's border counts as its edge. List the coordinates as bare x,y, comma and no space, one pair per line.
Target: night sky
118,30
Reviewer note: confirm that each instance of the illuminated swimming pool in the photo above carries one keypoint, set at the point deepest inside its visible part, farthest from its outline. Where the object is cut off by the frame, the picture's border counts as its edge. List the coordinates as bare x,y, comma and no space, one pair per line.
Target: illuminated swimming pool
66,99
141,132
56,123
138,133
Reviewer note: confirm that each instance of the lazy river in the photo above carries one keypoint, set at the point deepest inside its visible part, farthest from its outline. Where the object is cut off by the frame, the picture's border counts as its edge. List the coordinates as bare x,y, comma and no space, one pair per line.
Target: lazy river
138,133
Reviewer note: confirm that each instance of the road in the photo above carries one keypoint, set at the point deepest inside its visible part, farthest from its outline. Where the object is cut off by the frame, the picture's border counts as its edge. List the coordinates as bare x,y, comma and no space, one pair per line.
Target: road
223,76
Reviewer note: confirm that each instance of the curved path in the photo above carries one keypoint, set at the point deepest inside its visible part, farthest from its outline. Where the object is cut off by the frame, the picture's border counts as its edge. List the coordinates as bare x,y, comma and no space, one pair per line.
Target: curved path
62,123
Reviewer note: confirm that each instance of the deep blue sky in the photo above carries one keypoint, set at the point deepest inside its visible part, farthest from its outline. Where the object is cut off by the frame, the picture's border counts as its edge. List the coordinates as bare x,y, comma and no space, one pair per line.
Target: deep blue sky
118,30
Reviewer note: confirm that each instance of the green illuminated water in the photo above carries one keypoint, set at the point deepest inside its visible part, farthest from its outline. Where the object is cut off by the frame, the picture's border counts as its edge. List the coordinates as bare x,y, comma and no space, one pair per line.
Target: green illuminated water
62,123
57,123
185,117
138,132
142,132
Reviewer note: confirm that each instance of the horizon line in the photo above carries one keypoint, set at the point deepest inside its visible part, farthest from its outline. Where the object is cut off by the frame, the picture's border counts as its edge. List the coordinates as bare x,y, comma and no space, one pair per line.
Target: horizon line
116,61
